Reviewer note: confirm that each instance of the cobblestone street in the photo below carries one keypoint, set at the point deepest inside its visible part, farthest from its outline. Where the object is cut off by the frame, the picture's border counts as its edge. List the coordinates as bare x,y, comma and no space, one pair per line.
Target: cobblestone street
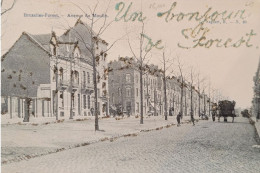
206,147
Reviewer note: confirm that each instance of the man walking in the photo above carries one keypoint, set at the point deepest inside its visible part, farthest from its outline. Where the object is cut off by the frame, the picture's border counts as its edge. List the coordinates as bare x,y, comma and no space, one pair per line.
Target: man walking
192,118
179,119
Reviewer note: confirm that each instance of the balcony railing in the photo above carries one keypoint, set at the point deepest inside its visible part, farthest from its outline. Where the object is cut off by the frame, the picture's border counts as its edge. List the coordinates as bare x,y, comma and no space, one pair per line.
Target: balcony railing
75,85
87,88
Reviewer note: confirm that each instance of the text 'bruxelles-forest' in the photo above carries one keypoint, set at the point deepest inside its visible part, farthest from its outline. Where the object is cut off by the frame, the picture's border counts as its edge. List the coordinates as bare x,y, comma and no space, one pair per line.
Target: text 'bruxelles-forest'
196,36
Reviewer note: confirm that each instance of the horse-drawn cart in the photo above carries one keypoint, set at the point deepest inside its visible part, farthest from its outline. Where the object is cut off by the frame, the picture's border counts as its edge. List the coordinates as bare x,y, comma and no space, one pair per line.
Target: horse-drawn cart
226,109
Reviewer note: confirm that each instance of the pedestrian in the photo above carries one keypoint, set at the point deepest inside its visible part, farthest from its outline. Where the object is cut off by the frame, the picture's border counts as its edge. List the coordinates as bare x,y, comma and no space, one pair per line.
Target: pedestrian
192,118
92,111
179,119
170,112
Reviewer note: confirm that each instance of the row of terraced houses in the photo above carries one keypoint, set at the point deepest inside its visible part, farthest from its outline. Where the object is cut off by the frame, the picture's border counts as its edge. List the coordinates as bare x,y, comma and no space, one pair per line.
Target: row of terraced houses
37,66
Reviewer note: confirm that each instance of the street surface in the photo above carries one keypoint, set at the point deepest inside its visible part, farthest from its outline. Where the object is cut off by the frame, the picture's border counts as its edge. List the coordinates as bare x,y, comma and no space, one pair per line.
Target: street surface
206,147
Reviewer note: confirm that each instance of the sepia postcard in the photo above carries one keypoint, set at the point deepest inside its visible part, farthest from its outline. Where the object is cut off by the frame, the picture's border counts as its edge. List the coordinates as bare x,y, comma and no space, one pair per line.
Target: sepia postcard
149,86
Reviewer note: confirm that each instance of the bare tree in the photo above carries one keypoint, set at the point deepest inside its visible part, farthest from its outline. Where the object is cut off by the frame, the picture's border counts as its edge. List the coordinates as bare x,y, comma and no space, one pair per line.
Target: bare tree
182,82
4,11
92,45
200,81
142,59
209,89
192,88
167,64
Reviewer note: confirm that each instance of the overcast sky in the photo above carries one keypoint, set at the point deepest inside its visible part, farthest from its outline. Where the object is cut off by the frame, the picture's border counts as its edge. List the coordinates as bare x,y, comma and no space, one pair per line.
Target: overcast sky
229,70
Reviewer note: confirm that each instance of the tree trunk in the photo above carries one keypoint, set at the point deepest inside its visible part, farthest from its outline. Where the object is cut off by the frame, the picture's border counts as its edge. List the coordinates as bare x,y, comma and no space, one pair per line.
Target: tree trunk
199,104
173,100
204,105
11,108
191,104
71,88
27,110
56,90
181,105
186,103
155,102
95,90
19,108
141,94
209,107
165,95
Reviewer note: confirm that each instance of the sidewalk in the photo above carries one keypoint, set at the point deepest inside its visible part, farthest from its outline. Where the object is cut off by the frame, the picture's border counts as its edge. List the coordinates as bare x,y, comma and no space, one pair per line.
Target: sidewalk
27,140
257,126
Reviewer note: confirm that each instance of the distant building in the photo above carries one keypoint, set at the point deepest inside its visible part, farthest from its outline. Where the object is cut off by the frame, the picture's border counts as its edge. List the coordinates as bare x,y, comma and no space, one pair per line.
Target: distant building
29,71
124,90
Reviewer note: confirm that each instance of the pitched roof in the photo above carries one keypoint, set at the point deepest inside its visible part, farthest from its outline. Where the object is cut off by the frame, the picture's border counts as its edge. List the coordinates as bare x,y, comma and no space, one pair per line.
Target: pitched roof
41,40
79,32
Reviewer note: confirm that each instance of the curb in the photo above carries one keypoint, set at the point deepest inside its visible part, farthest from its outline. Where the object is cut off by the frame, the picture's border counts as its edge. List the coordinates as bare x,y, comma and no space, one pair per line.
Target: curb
111,139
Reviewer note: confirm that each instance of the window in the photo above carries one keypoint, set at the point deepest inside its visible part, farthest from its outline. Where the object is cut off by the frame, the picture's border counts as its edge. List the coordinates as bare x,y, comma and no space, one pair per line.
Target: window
137,107
62,100
88,102
84,101
136,92
98,92
128,92
72,99
104,85
61,74
84,79
128,78
136,78
55,69
88,77
77,76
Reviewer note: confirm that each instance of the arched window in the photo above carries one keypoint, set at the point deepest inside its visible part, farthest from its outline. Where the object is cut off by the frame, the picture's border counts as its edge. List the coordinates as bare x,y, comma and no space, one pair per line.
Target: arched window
61,74
55,70
77,76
